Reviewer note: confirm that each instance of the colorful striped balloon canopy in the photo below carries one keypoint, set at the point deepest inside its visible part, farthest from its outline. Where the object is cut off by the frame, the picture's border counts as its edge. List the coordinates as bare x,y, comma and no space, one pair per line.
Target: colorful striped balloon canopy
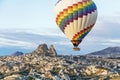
75,18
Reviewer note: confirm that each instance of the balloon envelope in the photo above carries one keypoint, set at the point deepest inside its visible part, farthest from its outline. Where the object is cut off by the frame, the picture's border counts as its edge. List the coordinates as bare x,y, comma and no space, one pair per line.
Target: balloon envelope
75,18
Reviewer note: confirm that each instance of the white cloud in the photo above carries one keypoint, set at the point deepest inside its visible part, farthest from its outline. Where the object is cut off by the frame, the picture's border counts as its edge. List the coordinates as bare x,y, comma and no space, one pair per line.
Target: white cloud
107,22
50,32
62,43
112,42
8,42
104,34
115,40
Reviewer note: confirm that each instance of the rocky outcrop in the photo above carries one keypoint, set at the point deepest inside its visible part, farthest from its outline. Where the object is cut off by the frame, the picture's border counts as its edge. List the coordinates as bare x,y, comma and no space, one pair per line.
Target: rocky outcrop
41,49
44,51
52,51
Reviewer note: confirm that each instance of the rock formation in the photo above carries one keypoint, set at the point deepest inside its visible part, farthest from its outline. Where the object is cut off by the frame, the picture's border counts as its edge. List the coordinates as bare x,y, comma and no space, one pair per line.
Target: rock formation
52,51
44,51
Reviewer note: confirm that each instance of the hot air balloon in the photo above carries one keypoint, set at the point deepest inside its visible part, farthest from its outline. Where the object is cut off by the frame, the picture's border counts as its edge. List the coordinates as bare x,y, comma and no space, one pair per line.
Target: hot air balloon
75,18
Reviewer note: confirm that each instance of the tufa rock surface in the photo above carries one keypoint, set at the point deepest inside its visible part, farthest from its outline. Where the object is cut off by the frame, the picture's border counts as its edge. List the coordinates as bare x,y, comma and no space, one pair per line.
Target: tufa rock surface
52,51
44,51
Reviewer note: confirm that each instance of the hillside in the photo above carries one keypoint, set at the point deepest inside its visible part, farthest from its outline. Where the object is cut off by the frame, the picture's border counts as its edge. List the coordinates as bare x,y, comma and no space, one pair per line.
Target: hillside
44,64
107,52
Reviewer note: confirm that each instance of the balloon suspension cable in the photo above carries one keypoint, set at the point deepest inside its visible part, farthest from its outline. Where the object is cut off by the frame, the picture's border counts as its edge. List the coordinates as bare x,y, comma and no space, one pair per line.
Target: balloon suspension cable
76,43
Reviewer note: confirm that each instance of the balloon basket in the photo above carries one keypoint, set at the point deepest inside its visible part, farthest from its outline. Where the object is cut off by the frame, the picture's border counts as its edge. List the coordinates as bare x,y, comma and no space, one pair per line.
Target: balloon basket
76,49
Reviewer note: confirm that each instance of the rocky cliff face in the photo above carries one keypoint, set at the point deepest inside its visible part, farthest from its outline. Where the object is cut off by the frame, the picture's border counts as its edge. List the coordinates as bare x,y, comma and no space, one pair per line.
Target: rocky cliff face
44,51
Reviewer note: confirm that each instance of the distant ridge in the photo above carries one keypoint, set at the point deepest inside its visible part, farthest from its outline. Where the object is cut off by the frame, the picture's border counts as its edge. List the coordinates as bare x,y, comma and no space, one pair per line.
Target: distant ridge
107,52
17,53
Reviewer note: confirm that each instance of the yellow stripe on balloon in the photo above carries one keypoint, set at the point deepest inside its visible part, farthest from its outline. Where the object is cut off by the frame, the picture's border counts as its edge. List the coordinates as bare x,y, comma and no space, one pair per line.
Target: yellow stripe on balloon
65,12
80,5
75,7
84,3
70,9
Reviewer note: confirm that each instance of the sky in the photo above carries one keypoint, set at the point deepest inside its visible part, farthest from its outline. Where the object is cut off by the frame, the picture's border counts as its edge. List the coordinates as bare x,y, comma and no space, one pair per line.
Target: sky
24,24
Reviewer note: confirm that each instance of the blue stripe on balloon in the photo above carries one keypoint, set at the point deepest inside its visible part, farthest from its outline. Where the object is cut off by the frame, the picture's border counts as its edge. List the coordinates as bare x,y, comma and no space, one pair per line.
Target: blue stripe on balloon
70,17
80,12
82,36
85,11
75,15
